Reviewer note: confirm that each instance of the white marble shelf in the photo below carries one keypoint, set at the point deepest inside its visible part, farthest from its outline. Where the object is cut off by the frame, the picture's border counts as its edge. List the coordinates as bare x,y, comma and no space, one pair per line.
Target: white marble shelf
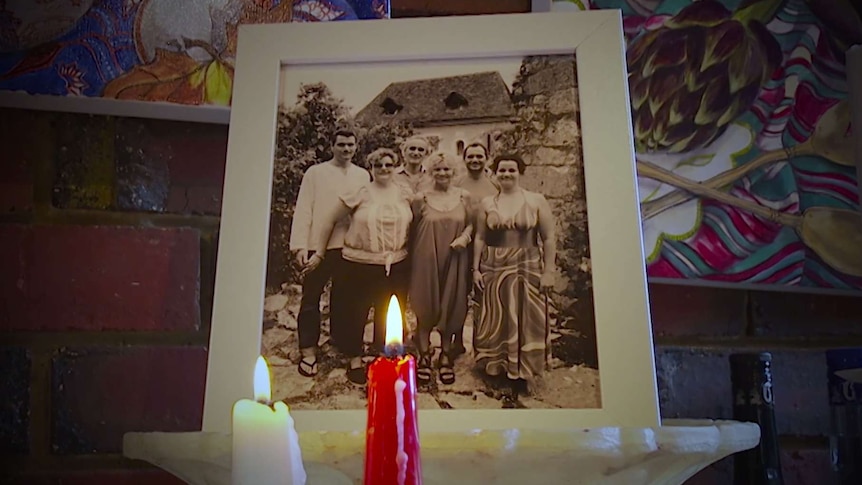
669,454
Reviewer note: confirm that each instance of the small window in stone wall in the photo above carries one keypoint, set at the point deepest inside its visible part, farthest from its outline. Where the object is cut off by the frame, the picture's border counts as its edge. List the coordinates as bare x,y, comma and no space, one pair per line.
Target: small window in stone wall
390,107
455,101
459,147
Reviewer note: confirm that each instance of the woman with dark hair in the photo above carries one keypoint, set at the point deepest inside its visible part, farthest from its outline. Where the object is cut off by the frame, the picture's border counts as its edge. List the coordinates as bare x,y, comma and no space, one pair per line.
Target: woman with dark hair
514,266
440,268
375,257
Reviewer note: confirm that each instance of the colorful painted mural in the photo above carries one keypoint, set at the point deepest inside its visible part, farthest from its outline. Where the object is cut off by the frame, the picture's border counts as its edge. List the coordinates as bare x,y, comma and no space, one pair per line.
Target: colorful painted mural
742,132
180,51
740,113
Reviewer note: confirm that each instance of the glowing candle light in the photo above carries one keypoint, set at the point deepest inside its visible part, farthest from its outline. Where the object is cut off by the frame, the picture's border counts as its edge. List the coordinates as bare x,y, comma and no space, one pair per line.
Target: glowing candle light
265,443
392,429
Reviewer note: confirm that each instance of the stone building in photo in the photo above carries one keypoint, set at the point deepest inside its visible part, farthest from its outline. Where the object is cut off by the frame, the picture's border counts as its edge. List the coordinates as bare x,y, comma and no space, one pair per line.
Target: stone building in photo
455,110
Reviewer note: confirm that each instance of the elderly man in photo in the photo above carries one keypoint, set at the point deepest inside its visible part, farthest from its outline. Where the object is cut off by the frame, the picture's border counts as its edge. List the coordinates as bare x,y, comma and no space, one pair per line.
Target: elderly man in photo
413,174
318,195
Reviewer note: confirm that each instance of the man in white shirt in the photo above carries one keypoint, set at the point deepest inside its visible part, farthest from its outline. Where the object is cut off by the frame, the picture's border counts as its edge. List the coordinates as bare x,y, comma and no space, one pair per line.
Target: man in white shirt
319,192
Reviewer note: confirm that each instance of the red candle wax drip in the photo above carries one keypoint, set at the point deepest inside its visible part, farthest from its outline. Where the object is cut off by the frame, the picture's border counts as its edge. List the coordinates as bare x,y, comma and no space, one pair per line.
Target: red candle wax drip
392,430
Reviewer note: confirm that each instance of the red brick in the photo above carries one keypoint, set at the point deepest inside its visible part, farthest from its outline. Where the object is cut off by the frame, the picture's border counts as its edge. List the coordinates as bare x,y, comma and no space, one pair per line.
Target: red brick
198,167
807,466
199,154
98,278
195,200
806,314
98,394
678,310
15,197
696,384
21,140
132,476
798,466
194,154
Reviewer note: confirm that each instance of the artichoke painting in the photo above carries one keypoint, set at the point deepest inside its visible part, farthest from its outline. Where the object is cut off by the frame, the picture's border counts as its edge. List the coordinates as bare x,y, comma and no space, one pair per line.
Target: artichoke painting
699,71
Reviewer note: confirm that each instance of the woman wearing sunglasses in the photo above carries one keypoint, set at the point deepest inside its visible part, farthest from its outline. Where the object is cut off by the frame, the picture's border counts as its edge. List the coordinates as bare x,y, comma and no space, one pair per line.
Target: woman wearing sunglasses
375,257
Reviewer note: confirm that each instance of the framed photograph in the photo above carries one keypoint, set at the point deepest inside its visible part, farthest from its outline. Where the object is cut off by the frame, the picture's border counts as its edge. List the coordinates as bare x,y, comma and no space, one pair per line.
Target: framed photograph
481,169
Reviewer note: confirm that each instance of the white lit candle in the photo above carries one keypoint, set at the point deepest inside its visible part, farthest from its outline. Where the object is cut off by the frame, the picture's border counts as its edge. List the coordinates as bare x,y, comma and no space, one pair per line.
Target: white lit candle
265,444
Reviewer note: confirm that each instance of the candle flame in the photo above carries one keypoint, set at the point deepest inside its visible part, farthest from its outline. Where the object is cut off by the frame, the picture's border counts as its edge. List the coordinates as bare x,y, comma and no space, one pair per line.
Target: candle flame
394,325
262,391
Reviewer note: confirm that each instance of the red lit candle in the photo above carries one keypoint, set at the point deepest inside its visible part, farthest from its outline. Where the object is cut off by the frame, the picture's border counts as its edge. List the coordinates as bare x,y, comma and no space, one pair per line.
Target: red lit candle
392,430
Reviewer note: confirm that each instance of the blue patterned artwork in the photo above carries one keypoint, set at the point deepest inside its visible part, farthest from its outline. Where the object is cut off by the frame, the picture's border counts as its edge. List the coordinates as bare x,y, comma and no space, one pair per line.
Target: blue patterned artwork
180,51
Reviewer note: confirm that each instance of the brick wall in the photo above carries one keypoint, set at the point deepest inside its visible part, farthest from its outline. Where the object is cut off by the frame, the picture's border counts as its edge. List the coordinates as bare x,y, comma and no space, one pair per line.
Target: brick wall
108,230
107,247
695,329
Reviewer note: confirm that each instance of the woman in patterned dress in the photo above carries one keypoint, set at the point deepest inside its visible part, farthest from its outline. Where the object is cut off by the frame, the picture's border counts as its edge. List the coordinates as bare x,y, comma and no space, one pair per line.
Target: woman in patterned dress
514,265
440,268
375,257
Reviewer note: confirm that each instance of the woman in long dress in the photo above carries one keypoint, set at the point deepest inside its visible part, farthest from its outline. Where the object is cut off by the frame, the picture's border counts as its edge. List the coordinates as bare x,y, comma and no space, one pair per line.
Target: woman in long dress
439,281
514,265
375,257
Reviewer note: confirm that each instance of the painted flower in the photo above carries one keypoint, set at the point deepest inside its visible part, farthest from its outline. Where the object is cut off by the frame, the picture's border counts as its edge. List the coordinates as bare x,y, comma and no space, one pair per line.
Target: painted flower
697,72
74,79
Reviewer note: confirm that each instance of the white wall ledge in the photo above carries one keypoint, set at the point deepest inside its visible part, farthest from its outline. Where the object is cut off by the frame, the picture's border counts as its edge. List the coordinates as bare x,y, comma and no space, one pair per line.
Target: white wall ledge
114,107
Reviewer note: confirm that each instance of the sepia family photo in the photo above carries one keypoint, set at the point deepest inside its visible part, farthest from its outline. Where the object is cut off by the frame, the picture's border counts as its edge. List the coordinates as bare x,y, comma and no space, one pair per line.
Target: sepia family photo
457,186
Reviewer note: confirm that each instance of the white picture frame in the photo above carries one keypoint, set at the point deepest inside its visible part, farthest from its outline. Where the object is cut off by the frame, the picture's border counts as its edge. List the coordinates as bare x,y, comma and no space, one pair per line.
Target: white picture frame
624,336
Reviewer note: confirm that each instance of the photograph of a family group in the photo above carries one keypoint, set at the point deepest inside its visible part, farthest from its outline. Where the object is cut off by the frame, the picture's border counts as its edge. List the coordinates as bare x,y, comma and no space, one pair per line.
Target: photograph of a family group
457,186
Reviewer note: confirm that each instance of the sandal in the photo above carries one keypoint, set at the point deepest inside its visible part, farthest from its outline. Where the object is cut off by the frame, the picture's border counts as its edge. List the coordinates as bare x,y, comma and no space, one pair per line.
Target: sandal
357,375
423,370
447,371
307,368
